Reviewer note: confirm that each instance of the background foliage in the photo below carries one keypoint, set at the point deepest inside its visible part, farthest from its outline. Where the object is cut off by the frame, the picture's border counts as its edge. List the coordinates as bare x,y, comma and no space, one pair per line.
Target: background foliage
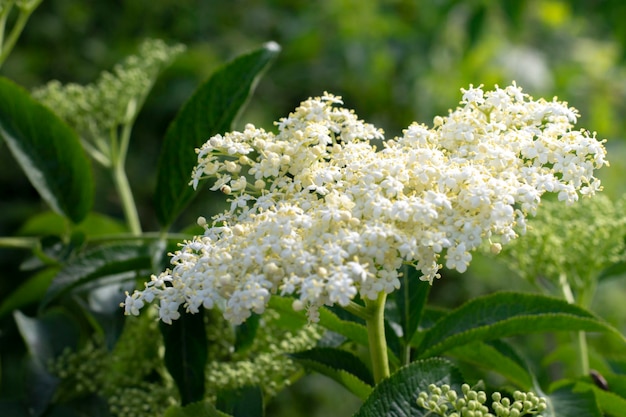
393,61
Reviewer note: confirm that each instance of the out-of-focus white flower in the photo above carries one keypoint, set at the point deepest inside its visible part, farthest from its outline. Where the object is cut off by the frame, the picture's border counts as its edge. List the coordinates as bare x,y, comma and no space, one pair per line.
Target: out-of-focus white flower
330,216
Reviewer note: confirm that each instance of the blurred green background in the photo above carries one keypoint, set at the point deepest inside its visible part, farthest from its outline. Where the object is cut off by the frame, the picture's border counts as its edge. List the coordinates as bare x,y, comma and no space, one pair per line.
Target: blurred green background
393,61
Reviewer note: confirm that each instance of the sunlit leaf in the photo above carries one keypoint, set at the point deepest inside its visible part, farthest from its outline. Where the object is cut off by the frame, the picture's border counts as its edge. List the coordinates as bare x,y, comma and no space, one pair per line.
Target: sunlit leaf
211,110
505,314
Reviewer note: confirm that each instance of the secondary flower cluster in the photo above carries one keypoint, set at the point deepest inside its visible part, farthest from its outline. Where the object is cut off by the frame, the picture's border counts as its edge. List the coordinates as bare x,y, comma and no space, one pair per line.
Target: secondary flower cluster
445,402
319,213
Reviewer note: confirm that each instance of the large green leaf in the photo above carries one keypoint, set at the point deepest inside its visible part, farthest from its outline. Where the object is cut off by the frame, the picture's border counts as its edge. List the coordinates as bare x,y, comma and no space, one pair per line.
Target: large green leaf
397,395
186,354
100,262
340,365
211,110
505,314
48,151
496,356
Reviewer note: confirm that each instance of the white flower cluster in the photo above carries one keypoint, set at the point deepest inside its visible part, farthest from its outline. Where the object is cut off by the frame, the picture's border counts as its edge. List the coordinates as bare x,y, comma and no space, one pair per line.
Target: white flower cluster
319,213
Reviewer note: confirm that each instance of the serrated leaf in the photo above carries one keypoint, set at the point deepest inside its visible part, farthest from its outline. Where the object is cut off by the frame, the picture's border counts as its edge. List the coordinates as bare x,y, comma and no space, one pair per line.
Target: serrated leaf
397,395
506,314
186,350
410,300
97,263
211,110
48,151
498,357
335,359
241,402
197,409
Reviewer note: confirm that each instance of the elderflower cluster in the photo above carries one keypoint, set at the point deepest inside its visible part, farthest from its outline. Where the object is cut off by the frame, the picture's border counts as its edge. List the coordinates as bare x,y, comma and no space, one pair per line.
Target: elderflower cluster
444,401
319,213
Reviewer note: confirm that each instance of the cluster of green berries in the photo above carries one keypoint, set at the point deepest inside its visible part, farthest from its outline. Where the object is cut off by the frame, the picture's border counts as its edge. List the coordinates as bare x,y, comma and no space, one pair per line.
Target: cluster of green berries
445,401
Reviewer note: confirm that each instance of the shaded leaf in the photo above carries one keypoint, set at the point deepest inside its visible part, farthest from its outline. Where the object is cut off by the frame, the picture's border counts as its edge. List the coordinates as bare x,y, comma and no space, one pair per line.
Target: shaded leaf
211,110
241,402
100,262
616,270
397,395
197,409
48,151
49,334
29,292
186,354
45,337
505,314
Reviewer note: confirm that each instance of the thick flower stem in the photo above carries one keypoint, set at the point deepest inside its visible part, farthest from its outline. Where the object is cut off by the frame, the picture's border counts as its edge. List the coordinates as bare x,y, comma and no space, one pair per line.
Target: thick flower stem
375,322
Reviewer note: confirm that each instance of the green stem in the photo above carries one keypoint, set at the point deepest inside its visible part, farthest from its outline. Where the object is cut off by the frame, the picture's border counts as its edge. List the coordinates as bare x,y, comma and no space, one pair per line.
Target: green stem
375,322
583,350
118,160
16,31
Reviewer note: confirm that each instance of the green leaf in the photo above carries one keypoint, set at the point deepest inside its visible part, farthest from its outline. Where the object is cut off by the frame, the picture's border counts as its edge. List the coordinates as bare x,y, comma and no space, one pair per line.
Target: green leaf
100,262
241,402
506,314
186,354
616,270
340,365
397,395
566,402
48,151
197,409
609,402
29,292
410,300
51,223
495,356
212,109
